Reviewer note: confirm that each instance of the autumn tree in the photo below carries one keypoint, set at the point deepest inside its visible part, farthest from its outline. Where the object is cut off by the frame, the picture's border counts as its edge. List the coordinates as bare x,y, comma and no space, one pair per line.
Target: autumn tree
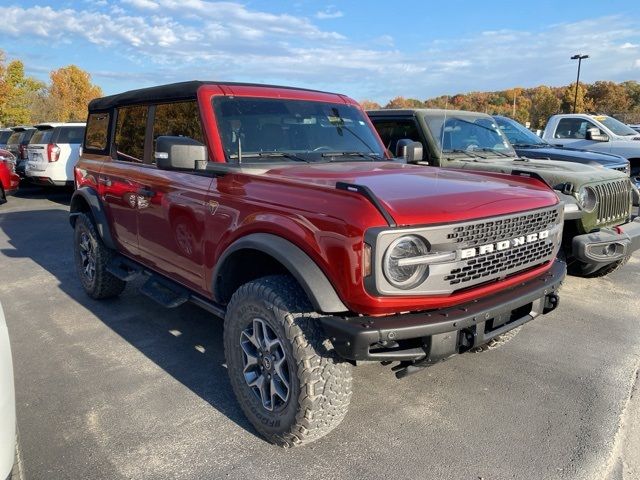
370,105
569,97
401,102
609,97
15,91
544,103
70,92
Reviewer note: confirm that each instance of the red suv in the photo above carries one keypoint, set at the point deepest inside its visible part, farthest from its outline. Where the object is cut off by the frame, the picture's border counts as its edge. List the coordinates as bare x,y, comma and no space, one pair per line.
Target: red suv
9,179
278,210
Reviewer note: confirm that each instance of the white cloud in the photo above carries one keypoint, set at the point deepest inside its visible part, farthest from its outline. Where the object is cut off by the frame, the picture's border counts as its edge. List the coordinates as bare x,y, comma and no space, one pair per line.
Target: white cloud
142,4
329,12
232,41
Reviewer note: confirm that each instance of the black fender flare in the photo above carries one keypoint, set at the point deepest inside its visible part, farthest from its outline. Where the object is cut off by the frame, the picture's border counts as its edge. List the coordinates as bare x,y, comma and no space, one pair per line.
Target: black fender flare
311,278
91,198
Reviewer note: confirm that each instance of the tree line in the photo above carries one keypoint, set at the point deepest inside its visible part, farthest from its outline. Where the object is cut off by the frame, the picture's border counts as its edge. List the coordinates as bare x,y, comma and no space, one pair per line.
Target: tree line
25,100
536,105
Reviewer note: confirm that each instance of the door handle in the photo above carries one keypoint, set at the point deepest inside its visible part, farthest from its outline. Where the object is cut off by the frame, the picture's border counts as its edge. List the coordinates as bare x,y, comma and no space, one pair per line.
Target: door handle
146,192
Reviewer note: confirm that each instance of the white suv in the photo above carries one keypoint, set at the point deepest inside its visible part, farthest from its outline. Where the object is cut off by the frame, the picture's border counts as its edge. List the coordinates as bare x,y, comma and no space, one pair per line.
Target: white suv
595,132
53,151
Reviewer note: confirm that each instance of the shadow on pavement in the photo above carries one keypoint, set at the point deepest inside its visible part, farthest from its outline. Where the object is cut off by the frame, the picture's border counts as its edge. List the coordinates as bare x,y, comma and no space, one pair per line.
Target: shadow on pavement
186,342
61,195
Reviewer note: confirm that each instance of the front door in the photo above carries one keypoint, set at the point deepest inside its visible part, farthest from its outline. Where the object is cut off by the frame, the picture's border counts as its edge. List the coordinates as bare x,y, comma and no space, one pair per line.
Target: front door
173,205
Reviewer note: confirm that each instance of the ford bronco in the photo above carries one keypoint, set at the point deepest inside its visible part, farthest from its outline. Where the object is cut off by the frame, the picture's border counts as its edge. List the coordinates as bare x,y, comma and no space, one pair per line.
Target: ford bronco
278,210
599,233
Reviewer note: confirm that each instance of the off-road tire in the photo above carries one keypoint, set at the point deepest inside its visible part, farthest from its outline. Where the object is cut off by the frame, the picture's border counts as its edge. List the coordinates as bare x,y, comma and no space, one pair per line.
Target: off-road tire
497,342
320,383
103,284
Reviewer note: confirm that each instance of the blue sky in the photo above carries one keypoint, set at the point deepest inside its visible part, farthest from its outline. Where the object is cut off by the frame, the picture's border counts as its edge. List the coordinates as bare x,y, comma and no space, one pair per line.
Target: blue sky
367,50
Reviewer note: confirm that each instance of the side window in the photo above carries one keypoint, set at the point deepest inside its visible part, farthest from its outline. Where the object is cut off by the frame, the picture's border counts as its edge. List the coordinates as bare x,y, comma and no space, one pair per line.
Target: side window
130,131
180,119
96,134
391,131
573,128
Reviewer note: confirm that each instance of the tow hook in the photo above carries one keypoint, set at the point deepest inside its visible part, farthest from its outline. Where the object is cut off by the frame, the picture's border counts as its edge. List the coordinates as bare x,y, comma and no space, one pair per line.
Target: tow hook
551,302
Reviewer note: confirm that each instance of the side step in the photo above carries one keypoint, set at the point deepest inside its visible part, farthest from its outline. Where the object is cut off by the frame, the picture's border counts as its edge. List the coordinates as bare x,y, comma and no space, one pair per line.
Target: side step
123,268
165,292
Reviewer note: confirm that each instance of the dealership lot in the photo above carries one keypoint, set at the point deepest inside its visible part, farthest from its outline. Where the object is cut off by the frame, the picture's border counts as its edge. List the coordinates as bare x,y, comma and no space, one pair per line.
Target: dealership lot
126,389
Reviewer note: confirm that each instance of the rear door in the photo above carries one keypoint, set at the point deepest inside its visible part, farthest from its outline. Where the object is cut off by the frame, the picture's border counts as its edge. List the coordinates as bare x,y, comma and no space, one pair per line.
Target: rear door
173,205
117,179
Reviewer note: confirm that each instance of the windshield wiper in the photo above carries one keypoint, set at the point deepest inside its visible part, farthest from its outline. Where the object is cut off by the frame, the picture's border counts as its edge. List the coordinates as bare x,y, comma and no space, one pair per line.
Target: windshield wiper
475,156
372,155
290,156
497,152
531,145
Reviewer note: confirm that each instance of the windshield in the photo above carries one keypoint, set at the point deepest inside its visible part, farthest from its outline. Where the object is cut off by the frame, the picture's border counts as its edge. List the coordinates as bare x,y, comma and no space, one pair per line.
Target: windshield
278,129
517,133
15,137
468,133
616,126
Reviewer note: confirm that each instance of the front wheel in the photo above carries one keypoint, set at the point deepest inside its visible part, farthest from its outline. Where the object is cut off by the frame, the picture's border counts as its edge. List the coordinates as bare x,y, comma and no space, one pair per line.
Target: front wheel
288,381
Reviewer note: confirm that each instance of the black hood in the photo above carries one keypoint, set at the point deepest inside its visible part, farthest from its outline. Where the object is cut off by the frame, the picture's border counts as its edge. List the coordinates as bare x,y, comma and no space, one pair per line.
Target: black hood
572,155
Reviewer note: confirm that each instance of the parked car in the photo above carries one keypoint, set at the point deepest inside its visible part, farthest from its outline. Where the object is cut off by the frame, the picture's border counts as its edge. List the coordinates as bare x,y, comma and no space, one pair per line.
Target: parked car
7,404
5,133
636,127
17,145
9,179
53,153
600,133
279,210
528,144
599,235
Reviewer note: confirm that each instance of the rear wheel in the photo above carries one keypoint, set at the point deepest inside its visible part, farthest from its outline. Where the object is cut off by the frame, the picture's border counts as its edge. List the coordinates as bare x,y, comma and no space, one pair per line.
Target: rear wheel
92,257
288,380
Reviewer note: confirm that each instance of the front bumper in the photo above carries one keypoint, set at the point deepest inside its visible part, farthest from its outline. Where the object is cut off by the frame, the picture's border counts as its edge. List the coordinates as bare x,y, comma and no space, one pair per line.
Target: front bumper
607,245
429,337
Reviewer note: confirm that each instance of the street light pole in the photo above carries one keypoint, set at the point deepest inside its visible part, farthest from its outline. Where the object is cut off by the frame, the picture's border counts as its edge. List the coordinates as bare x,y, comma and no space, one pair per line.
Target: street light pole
578,57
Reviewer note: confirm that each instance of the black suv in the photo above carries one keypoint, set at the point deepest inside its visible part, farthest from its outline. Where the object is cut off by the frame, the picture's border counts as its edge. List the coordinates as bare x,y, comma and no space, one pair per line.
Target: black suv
17,144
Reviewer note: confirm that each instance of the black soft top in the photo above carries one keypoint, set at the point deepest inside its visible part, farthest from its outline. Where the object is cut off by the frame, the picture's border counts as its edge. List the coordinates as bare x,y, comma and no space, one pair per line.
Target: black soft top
170,92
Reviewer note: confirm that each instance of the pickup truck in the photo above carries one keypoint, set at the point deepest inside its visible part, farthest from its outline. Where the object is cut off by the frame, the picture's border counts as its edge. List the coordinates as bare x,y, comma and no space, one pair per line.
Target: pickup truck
279,210
600,133
528,144
599,233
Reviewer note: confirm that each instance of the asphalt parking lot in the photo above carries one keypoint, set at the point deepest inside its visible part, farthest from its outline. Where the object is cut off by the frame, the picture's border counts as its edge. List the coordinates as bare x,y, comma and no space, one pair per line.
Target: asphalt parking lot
127,389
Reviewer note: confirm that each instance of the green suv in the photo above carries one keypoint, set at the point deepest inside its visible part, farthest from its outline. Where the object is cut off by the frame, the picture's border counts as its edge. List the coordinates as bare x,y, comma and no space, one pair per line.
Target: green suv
599,232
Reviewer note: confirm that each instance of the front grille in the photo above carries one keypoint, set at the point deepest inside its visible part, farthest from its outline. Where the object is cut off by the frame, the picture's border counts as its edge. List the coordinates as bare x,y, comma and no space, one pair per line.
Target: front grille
526,256
613,201
491,231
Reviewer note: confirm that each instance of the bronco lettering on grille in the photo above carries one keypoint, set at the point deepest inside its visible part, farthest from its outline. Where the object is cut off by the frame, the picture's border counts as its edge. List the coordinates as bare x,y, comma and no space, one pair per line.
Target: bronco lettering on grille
503,245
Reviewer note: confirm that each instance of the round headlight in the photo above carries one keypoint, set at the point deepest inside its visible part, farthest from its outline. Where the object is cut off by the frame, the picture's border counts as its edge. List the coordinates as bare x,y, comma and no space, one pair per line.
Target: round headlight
587,199
405,276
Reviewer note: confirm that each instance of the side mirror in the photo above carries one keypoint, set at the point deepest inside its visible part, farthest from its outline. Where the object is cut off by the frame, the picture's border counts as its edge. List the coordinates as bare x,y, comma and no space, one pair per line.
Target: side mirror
409,150
180,153
596,135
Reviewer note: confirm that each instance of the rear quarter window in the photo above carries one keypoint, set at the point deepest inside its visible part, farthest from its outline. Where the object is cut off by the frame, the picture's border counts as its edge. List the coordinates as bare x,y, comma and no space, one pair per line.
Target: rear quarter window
70,135
4,136
97,131
42,136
